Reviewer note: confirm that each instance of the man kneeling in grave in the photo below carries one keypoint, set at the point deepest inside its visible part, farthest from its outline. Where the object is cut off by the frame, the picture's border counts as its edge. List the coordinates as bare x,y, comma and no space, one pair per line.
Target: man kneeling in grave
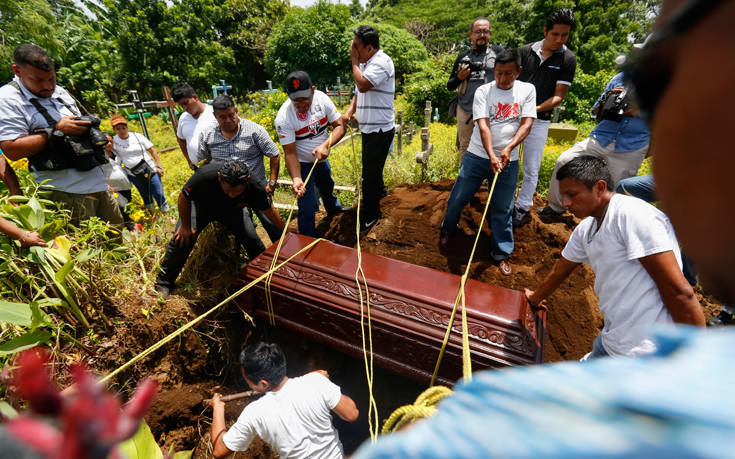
224,192
293,415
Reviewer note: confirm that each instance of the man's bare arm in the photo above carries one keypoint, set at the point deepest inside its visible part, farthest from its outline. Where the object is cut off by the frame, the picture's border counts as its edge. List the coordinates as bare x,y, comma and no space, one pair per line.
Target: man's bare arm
346,409
7,174
562,269
185,151
560,92
676,293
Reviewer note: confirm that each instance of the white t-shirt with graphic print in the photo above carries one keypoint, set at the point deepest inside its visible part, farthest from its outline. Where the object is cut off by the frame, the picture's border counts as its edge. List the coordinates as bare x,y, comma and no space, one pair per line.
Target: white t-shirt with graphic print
308,130
505,108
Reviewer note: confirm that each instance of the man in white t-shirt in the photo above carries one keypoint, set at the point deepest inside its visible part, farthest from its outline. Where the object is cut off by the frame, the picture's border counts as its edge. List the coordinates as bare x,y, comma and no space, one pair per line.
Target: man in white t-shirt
372,106
503,111
302,124
294,414
633,251
197,115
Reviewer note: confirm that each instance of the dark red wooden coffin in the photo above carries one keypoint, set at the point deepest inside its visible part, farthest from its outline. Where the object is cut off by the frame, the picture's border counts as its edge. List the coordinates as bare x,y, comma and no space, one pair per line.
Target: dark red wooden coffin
315,295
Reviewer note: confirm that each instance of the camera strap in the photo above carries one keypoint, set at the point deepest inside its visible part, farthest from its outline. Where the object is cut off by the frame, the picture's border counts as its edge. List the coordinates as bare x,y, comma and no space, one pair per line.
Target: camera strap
41,109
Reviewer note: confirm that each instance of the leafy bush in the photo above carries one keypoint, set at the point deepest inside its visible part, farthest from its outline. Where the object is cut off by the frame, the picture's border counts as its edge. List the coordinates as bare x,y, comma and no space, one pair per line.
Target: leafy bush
313,40
430,83
267,109
583,93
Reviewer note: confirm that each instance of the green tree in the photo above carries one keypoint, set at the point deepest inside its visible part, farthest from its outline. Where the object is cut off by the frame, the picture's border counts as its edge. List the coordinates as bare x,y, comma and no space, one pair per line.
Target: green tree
244,26
407,52
605,28
25,21
312,40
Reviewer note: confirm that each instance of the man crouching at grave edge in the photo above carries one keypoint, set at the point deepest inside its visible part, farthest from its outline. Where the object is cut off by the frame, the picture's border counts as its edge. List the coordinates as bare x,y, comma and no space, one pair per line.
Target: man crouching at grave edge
294,414
631,247
503,112
225,192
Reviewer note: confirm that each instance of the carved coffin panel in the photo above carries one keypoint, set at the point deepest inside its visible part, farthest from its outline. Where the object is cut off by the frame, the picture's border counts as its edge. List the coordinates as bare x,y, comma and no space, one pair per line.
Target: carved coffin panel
316,296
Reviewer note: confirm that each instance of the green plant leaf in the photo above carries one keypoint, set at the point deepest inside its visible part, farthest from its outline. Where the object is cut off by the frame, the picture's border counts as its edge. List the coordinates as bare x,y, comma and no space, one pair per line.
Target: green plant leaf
15,313
38,211
38,317
26,217
142,445
24,342
64,271
182,454
61,251
7,410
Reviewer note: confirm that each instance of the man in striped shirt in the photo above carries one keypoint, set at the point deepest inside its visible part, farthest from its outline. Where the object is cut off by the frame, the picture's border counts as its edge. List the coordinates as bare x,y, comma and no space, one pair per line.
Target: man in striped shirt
372,106
233,137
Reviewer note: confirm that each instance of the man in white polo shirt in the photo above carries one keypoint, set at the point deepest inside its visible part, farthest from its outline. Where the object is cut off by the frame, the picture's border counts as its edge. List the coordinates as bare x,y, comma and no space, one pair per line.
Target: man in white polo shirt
196,116
633,251
372,105
302,124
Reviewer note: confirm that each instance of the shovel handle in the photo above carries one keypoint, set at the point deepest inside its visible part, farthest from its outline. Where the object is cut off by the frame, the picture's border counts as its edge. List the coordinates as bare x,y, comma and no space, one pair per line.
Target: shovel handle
227,398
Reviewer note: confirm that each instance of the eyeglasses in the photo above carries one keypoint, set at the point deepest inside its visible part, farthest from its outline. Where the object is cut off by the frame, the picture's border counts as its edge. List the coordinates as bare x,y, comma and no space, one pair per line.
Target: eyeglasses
481,32
648,71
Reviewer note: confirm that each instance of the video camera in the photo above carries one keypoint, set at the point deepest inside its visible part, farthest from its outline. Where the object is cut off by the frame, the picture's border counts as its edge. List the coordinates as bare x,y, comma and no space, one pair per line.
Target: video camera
96,136
612,105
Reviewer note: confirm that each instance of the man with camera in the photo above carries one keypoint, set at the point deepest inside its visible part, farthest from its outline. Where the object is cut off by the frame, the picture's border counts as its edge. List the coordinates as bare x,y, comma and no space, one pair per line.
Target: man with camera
472,69
40,121
620,139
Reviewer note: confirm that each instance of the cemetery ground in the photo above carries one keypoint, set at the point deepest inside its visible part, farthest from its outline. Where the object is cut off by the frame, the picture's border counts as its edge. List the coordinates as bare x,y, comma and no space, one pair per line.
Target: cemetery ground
126,315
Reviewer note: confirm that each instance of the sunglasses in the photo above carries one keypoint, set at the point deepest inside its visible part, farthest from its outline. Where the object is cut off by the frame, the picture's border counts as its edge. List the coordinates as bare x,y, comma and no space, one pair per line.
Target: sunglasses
648,71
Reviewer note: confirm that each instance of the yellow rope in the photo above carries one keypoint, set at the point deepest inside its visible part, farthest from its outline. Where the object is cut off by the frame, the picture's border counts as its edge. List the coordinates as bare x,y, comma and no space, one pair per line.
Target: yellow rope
268,296
187,326
466,361
423,407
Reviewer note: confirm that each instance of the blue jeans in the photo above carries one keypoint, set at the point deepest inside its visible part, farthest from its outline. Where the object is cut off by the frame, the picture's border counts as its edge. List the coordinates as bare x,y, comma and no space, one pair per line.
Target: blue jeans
471,174
151,190
641,187
598,350
321,181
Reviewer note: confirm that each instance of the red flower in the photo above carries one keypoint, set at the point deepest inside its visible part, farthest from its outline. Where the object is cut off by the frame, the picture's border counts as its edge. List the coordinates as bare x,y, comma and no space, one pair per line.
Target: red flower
90,419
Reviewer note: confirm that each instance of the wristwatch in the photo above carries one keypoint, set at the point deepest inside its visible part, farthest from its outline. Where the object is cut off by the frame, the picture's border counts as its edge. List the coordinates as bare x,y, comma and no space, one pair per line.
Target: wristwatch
272,183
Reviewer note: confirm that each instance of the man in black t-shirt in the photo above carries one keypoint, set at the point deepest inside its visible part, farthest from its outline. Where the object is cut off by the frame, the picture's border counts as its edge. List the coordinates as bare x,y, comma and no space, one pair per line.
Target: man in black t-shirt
549,65
472,69
223,192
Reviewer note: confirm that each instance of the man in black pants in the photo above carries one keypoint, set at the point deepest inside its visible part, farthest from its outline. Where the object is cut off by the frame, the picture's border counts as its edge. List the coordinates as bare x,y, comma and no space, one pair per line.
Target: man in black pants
372,105
223,192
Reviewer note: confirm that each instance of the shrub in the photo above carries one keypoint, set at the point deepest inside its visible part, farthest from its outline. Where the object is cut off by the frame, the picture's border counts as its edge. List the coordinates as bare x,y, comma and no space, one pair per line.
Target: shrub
267,109
430,83
313,40
585,90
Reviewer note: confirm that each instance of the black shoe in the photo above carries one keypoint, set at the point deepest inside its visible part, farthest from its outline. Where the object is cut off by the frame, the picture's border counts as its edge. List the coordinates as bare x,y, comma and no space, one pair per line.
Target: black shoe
548,214
723,318
519,217
163,291
367,226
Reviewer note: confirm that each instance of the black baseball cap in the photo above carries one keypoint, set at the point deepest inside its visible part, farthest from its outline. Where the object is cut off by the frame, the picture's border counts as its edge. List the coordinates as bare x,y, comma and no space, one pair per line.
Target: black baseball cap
298,84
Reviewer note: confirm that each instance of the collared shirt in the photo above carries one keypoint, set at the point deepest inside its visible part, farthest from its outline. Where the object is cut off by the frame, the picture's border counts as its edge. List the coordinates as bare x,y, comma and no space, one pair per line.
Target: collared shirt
631,133
19,118
375,106
251,144
545,74
307,130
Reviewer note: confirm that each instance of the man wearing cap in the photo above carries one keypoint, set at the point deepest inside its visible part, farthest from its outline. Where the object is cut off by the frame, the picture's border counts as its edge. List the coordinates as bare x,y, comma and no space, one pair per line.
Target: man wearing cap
196,116
372,105
472,69
222,191
36,119
235,137
302,123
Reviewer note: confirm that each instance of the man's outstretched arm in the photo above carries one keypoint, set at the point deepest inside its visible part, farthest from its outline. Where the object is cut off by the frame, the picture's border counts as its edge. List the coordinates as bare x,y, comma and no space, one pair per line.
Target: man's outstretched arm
562,269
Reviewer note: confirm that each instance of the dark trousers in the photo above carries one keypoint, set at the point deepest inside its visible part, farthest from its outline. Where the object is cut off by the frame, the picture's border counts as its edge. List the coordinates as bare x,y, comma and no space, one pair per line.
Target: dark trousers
273,232
375,148
239,222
